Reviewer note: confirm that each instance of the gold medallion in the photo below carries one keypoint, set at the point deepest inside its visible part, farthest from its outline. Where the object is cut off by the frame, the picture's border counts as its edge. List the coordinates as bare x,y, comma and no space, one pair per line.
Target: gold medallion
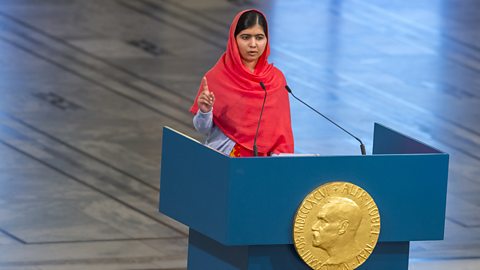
336,227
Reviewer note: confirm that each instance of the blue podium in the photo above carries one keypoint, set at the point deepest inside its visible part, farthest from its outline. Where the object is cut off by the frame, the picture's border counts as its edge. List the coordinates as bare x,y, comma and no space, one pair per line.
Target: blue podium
240,210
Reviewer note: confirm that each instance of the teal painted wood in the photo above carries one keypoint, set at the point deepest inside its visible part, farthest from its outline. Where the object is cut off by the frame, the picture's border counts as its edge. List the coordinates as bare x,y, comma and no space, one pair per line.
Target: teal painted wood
194,185
252,201
206,253
408,189
388,255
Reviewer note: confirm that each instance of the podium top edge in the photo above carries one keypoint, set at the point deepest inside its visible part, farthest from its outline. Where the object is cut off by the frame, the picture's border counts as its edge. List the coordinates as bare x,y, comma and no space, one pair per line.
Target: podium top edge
180,133
435,152
192,139
341,156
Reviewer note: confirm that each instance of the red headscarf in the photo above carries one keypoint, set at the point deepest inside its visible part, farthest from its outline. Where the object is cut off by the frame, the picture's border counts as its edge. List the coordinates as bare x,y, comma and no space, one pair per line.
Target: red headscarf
239,98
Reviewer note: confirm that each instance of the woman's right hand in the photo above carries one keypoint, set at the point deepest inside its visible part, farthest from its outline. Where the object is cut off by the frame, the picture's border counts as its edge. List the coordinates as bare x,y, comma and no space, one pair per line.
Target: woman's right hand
206,99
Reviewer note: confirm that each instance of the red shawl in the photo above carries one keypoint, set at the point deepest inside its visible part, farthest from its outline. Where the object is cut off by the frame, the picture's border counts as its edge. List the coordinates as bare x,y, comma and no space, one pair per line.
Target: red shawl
239,98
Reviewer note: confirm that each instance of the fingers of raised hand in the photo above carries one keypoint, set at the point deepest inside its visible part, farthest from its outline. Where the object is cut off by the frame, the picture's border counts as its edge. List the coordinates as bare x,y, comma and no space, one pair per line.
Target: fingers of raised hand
204,101
205,84
210,97
207,97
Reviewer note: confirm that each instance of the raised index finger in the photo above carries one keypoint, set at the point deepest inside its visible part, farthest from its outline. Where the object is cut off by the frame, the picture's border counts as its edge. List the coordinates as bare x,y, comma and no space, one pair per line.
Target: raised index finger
205,84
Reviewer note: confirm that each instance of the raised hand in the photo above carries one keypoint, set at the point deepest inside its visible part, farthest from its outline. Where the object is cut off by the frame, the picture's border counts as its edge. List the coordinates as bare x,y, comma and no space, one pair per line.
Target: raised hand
206,99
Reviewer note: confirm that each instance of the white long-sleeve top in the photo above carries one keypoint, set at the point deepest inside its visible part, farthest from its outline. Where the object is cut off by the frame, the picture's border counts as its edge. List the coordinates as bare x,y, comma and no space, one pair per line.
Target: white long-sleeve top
215,138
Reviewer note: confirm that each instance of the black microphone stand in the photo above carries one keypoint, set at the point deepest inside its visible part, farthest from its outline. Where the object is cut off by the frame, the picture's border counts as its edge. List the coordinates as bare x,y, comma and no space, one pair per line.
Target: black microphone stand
255,152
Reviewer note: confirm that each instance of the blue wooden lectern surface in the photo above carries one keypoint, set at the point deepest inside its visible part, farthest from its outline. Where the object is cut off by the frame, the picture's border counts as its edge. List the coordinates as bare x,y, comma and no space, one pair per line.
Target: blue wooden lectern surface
240,210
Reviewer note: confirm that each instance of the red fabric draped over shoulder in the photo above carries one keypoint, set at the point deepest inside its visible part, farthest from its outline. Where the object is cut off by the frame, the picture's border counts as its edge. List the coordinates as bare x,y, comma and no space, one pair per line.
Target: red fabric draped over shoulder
239,98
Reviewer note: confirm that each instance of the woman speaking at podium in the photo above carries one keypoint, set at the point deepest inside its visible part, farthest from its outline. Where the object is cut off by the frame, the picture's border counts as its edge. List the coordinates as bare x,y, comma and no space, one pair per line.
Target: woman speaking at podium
241,87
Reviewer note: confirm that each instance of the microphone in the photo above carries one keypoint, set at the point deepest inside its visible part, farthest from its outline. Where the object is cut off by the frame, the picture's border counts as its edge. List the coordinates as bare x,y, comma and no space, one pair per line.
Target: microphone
255,152
362,147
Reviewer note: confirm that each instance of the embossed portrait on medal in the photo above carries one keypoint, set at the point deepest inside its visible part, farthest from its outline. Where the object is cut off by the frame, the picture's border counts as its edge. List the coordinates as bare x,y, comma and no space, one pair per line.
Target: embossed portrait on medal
336,227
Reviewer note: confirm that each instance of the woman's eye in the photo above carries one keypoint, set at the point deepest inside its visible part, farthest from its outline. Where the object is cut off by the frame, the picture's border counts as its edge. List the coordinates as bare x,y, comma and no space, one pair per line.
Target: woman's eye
260,37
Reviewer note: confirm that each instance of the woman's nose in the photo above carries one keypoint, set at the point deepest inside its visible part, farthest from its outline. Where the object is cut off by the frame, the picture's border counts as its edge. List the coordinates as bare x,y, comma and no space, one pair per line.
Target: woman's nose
252,43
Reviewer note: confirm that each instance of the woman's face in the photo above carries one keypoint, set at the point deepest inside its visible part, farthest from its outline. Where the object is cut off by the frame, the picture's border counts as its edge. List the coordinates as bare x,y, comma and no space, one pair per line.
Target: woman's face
251,43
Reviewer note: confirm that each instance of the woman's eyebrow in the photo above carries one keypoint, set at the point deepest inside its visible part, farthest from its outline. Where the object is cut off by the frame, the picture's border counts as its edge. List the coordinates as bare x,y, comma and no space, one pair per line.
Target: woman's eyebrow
252,35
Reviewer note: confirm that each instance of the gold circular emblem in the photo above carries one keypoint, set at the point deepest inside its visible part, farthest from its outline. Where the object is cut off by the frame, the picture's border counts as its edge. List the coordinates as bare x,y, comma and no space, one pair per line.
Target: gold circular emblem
336,227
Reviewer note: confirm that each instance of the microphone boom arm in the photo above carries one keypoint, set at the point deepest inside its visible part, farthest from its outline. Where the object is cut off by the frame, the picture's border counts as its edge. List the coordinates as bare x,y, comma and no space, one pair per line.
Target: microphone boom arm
362,146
